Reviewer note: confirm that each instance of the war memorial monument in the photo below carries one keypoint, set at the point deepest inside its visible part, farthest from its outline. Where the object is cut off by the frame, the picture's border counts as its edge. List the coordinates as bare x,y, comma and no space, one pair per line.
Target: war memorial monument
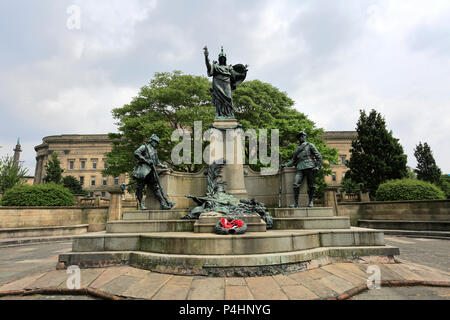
226,220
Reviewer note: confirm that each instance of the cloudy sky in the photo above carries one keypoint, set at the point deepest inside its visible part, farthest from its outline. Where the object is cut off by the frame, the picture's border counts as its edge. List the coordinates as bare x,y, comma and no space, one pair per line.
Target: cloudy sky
332,57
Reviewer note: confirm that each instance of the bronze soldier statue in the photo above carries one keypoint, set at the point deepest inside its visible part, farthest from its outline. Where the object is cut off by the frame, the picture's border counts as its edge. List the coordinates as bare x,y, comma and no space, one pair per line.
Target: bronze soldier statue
145,173
308,161
225,79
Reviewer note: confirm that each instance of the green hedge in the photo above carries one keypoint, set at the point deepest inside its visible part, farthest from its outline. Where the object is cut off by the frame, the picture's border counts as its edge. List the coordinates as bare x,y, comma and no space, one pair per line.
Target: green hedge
41,195
408,189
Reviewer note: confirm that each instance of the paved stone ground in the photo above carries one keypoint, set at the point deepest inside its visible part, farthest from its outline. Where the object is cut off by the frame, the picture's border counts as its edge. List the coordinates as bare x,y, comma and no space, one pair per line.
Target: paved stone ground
33,266
405,293
19,261
429,252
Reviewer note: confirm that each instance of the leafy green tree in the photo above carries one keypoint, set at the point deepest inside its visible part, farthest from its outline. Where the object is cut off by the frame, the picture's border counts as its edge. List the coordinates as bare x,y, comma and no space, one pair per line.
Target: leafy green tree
350,186
11,174
73,184
445,185
170,101
260,105
376,156
174,100
411,174
427,170
53,170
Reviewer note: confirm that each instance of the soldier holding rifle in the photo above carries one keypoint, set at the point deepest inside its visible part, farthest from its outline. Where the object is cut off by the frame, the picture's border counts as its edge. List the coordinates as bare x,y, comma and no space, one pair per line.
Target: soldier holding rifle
145,173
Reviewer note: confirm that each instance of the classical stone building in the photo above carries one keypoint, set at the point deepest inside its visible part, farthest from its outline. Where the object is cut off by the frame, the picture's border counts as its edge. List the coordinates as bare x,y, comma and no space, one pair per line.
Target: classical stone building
81,156
342,141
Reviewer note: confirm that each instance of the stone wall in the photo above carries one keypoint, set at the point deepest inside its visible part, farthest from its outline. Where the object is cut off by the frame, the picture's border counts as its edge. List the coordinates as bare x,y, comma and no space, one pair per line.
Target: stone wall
21,217
264,188
429,210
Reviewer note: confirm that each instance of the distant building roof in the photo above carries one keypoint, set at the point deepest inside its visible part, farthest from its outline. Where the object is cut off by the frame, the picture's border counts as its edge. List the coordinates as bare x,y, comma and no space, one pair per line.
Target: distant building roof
330,135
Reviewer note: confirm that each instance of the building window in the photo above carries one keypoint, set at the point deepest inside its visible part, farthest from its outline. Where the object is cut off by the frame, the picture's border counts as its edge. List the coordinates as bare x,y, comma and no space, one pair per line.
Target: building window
333,177
103,194
71,163
94,163
343,160
105,165
91,194
83,164
105,180
116,181
82,181
92,181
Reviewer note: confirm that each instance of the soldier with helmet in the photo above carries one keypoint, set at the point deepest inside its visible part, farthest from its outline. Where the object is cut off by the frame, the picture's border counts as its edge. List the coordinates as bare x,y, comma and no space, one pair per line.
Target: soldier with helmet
145,173
307,161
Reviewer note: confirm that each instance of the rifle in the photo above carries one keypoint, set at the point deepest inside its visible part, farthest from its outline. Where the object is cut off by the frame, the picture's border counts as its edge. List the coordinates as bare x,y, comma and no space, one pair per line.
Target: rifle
152,165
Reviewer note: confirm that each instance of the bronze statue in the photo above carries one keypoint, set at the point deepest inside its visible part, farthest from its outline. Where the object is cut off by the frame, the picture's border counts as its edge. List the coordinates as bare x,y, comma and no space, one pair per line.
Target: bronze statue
225,79
146,175
217,199
308,161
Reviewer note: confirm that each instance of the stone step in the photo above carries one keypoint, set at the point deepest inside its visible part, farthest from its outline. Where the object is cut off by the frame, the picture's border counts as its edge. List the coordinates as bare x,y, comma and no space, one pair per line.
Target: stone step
406,225
154,214
188,243
144,226
231,265
311,223
301,212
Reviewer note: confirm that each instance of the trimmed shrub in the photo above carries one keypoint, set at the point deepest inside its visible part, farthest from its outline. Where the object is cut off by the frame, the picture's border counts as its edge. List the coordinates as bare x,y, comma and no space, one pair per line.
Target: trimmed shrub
408,189
41,195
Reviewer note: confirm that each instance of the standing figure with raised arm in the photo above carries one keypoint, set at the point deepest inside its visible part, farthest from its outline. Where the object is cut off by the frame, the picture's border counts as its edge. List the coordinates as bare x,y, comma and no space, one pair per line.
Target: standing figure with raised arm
307,161
145,173
225,79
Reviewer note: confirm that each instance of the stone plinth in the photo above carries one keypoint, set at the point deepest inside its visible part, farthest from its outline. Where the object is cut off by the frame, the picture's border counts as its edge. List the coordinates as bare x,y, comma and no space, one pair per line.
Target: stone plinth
115,204
226,143
330,199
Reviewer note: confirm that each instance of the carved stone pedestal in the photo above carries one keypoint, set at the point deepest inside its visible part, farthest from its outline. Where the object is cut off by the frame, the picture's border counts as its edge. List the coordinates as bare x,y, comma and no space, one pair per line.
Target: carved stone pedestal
208,220
226,143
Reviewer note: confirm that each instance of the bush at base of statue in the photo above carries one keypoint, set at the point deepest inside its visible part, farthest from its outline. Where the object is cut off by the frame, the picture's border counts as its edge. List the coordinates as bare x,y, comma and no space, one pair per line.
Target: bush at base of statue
408,189
41,195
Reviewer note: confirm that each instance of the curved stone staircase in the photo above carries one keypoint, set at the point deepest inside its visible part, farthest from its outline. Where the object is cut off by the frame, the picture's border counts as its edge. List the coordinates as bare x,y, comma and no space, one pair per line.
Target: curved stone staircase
161,241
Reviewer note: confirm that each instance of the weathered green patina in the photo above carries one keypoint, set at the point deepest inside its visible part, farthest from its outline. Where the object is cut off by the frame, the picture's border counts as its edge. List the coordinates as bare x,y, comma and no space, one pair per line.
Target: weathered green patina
225,79
307,161
218,200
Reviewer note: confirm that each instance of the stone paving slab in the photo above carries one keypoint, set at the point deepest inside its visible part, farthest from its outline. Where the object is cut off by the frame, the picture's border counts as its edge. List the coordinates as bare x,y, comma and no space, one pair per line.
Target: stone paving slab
328,281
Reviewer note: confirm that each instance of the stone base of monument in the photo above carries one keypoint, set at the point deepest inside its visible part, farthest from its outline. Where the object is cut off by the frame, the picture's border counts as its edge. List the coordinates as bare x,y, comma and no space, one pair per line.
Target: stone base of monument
208,221
161,241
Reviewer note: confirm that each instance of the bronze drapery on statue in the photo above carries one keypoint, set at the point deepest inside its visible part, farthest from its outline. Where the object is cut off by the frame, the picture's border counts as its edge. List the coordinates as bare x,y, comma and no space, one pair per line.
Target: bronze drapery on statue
225,79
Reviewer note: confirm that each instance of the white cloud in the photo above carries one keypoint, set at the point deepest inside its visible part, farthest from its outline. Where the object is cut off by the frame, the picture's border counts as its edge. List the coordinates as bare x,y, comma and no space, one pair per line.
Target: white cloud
332,57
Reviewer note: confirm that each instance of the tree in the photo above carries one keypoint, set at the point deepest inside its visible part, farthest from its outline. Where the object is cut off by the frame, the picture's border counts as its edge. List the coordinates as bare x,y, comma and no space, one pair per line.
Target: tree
427,170
53,170
260,105
445,185
170,101
376,156
11,174
173,100
72,183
